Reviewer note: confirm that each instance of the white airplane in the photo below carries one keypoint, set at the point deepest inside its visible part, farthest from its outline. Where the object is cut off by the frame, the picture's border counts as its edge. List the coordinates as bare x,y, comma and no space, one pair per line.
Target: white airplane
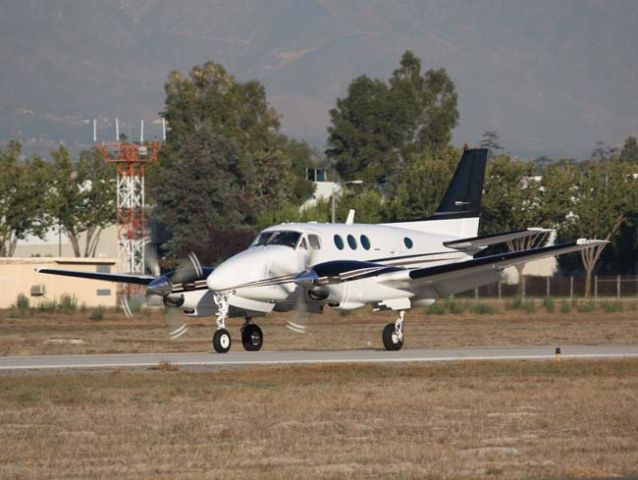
306,266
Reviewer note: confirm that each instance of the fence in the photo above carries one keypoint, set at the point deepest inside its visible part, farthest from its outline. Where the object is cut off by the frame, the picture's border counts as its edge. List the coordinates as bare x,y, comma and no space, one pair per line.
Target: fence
619,286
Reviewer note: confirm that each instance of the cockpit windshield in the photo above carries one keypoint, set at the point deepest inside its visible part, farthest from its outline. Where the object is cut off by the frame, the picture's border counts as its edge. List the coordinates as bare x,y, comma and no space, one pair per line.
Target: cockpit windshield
286,238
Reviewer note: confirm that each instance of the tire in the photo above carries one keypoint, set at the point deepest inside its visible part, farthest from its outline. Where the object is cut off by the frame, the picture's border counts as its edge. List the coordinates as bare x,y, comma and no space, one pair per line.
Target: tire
390,339
222,341
252,337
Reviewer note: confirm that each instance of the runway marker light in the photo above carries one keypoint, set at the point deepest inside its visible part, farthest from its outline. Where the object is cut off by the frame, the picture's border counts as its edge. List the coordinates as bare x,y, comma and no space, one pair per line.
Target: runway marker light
557,353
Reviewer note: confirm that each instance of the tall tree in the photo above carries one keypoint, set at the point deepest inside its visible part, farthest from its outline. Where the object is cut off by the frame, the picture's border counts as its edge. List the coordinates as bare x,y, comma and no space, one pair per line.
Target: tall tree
513,200
429,101
629,152
596,201
490,140
224,165
82,198
418,189
601,151
23,198
378,125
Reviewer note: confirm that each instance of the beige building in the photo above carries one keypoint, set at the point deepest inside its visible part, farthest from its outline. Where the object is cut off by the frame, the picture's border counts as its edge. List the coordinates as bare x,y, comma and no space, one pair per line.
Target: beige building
18,275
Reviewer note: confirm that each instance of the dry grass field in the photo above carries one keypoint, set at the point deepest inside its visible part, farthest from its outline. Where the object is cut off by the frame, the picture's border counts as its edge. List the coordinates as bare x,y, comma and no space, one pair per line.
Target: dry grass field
490,420
57,333
456,421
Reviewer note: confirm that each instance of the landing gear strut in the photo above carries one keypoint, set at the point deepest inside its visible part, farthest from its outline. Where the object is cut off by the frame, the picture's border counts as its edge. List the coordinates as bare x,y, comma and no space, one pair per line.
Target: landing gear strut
221,337
252,337
393,333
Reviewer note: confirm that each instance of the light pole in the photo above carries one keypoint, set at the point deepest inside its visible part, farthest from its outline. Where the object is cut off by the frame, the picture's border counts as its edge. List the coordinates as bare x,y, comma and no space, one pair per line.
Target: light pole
334,195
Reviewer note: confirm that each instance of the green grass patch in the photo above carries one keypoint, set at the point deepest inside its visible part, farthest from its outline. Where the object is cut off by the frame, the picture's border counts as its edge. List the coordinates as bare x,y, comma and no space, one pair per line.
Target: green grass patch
611,307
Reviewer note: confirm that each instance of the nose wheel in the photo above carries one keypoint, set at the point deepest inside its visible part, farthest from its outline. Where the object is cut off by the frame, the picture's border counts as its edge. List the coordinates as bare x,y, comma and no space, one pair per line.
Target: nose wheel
221,341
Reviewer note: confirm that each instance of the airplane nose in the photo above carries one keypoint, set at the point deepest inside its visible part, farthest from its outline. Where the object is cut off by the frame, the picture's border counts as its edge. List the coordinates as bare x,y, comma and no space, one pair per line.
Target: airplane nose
236,270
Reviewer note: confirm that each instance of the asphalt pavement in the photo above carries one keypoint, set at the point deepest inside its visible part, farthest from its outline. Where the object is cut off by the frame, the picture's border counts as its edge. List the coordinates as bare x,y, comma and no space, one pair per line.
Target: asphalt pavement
240,358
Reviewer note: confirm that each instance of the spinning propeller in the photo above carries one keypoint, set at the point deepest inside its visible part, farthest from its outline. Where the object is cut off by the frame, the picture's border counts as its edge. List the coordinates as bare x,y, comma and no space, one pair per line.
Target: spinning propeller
188,271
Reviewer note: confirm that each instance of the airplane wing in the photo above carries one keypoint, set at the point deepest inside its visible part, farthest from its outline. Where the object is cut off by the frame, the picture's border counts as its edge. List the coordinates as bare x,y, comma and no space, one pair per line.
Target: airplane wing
478,243
444,280
107,277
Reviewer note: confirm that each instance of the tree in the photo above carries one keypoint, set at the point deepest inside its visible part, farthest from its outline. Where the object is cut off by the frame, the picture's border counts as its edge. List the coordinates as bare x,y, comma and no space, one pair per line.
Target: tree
601,151
513,200
418,189
22,198
597,200
430,102
490,140
379,125
629,152
82,197
225,165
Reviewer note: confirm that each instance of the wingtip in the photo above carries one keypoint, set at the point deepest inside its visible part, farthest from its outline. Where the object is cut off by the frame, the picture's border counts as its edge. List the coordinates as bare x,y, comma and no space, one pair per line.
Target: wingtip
591,242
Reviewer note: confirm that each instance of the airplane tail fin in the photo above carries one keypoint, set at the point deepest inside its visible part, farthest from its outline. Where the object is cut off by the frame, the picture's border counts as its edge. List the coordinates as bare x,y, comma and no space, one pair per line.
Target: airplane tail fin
458,213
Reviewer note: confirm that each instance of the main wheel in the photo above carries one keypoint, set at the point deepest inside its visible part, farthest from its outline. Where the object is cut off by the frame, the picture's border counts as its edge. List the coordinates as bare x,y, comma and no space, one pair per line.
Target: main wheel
221,341
252,337
391,340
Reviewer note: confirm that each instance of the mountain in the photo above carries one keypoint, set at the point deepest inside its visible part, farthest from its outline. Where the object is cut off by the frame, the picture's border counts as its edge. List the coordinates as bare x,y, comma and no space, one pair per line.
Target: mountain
551,77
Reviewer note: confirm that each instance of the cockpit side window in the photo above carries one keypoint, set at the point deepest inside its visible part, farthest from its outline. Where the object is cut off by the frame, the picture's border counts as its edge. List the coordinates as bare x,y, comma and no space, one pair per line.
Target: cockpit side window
315,242
283,237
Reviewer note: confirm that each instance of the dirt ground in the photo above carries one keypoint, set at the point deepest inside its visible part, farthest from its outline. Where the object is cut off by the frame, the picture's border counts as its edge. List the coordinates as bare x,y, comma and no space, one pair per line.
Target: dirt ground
498,420
56,333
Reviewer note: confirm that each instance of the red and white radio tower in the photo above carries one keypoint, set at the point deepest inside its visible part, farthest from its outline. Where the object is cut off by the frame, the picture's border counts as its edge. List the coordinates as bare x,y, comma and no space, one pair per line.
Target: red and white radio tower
130,160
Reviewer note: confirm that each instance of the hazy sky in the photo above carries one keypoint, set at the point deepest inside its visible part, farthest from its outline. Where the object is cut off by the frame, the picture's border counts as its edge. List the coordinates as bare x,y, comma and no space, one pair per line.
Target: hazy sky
551,77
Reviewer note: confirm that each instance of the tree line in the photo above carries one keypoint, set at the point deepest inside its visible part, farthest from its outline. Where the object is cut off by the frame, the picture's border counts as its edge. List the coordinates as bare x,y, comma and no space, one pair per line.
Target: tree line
226,171
75,196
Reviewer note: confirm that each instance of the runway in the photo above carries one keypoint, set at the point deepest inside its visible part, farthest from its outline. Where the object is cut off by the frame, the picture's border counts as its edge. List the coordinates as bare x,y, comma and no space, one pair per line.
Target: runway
316,357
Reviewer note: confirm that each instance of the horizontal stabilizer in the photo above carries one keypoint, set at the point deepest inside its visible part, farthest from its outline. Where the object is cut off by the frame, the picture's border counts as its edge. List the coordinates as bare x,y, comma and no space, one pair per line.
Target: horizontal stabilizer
478,243
107,277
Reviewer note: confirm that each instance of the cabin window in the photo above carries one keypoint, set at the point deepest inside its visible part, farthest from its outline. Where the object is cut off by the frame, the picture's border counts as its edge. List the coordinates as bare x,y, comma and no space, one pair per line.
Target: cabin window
365,242
338,242
408,242
352,242
315,242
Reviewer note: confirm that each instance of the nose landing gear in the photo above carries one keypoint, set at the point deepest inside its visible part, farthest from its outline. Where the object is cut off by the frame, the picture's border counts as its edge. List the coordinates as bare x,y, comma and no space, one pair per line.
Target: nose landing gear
221,337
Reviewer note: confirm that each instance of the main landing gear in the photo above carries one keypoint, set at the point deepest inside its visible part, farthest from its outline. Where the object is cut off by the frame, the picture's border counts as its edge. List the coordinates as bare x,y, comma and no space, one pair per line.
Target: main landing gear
393,333
252,338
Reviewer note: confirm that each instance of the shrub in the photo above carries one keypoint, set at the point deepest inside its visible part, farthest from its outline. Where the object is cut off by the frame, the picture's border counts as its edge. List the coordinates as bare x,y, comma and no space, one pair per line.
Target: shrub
68,304
565,307
611,307
586,307
548,304
529,306
47,306
97,314
22,303
483,309
436,309
455,307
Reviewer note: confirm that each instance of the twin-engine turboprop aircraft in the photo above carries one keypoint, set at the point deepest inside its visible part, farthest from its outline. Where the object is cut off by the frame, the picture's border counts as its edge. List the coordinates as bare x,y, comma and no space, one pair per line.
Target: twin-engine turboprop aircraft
306,266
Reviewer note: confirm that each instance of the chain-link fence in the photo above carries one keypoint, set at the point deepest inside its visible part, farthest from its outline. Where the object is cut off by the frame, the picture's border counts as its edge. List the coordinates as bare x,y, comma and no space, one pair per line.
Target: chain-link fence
618,286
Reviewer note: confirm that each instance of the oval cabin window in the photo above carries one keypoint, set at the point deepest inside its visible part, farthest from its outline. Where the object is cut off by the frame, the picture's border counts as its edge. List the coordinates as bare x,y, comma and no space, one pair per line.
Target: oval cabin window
352,242
365,242
338,242
408,242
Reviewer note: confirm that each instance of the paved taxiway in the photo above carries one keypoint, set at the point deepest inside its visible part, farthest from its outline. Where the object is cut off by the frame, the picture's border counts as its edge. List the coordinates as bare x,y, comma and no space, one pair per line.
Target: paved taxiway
315,357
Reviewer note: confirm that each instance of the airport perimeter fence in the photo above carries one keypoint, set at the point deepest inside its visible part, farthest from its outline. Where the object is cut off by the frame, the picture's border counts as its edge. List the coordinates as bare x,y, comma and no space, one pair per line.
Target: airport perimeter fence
571,287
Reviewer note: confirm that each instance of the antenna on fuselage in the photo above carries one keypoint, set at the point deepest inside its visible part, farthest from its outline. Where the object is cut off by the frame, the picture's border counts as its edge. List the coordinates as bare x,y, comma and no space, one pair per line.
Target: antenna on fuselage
350,219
